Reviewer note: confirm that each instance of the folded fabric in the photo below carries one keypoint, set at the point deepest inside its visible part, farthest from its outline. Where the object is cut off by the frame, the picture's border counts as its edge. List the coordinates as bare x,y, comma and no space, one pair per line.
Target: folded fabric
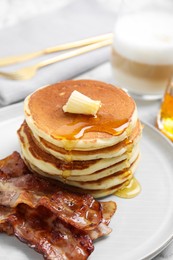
80,19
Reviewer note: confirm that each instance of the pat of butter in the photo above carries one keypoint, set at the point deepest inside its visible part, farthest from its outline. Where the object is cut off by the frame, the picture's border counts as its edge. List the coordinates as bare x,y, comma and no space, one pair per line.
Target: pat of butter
81,104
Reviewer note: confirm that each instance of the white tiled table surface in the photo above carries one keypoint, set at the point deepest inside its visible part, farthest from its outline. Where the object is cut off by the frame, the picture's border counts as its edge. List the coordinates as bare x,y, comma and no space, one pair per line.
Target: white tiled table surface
12,12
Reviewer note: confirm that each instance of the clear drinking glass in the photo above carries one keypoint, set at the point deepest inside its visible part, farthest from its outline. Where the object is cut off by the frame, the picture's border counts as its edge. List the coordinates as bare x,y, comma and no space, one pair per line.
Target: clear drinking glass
142,50
165,115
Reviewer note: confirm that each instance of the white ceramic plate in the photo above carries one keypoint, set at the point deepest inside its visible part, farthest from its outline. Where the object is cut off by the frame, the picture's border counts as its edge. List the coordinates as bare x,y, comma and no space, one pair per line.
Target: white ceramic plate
142,226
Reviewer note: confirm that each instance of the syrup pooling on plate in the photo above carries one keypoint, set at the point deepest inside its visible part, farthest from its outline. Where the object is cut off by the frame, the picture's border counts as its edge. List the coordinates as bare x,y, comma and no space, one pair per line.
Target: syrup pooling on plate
131,190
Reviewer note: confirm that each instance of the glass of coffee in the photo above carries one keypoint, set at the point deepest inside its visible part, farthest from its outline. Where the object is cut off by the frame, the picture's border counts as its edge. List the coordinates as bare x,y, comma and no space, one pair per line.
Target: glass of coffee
142,50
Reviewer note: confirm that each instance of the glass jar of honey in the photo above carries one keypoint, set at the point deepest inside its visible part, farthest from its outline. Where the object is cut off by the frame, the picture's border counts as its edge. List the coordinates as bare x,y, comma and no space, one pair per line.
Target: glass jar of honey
165,115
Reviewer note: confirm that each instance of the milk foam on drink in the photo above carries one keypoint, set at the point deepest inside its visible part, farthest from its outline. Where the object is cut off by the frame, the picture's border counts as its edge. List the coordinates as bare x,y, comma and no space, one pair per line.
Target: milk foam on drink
145,37
143,51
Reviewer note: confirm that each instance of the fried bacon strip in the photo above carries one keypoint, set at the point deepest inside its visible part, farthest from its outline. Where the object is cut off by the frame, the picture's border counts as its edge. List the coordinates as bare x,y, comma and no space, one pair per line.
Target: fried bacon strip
56,222
108,210
41,230
12,166
82,211
44,232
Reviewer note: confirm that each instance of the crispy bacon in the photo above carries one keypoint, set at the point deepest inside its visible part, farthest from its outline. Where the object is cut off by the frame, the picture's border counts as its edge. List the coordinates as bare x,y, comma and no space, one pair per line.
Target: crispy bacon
81,211
44,232
12,166
108,210
56,222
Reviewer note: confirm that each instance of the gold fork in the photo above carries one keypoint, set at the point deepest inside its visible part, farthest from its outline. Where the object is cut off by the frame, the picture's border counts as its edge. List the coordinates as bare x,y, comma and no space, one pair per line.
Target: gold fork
16,59
28,72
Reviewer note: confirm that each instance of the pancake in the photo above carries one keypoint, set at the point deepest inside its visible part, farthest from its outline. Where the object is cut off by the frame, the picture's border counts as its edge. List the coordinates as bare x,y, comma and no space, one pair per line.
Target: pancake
115,119
103,183
104,186
54,166
75,155
120,166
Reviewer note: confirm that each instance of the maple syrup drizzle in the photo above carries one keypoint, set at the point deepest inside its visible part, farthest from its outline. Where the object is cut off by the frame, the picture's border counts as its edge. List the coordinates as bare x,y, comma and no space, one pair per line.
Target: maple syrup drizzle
81,124
131,190
66,174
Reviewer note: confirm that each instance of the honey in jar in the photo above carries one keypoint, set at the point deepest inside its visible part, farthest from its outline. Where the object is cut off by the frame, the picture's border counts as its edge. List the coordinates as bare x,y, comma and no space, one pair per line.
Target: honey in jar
165,116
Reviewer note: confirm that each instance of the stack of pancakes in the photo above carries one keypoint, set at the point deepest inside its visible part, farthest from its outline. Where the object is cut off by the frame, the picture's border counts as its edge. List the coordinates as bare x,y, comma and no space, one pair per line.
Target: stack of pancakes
96,154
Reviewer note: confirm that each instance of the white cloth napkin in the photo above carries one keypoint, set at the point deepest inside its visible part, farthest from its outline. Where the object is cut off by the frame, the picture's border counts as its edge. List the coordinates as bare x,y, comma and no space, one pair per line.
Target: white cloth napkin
78,20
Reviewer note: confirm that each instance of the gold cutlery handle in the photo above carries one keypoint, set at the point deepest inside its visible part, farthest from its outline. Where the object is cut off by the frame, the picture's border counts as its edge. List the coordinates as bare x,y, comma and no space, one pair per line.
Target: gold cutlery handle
17,59
80,43
24,57
29,72
74,53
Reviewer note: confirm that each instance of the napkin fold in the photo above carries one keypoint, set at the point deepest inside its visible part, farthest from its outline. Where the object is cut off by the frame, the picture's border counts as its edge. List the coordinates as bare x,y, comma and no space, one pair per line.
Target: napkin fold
79,19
